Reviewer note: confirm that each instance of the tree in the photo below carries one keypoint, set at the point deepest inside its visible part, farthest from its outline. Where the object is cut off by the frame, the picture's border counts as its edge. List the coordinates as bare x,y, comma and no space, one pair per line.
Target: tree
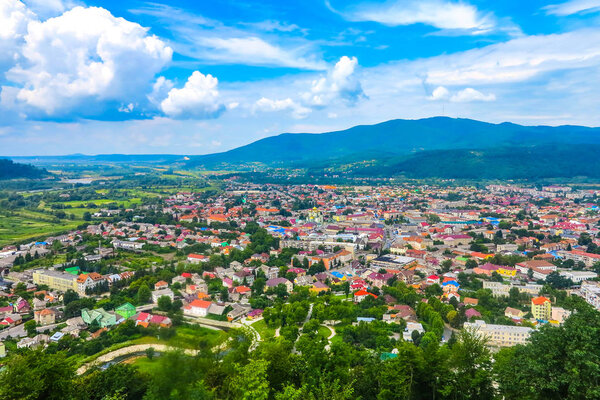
144,294
164,303
251,382
473,367
30,327
150,350
37,375
87,216
69,296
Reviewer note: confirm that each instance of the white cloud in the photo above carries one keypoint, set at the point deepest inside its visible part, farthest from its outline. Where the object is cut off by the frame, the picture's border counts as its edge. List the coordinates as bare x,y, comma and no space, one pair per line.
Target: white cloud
14,17
270,105
211,41
513,61
340,83
84,58
573,7
199,98
439,93
256,51
469,94
442,14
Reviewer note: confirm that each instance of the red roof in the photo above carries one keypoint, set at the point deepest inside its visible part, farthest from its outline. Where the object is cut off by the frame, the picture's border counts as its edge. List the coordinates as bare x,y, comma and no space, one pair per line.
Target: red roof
363,292
200,304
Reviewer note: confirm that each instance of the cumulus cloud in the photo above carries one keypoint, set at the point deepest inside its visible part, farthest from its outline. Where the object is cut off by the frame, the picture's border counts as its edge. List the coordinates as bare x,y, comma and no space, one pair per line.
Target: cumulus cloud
439,93
14,17
442,14
573,7
270,105
199,98
469,94
84,59
340,83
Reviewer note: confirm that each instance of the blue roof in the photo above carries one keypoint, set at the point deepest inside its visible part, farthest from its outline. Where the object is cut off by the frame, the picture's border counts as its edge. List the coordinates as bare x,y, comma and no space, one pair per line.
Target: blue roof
365,319
450,282
337,274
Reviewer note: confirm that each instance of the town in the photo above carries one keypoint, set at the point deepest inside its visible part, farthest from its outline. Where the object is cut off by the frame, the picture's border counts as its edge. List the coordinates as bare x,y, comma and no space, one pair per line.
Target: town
377,267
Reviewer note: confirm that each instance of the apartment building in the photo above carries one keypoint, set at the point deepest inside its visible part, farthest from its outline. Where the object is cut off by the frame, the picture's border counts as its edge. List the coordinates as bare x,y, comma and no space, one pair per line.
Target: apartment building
500,335
57,280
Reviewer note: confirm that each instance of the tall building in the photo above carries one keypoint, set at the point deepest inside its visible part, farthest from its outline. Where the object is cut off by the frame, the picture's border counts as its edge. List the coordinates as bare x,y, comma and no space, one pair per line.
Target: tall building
541,308
315,216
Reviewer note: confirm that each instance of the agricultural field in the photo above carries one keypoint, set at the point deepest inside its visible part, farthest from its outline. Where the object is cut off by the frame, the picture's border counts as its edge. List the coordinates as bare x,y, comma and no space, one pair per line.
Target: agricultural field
24,225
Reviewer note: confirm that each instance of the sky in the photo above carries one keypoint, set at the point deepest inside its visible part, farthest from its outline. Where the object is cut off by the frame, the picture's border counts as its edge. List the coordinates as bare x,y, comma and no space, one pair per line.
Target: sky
196,76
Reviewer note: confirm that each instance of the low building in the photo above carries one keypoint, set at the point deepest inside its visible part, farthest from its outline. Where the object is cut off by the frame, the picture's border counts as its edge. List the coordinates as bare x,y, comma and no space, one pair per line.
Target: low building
157,294
578,276
500,335
45,317
126,310
57,280
103,318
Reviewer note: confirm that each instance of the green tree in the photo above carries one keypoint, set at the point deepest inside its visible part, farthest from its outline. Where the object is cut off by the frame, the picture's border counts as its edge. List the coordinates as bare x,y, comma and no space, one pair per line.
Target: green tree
30,327
164,303
251,382
144,294
36,375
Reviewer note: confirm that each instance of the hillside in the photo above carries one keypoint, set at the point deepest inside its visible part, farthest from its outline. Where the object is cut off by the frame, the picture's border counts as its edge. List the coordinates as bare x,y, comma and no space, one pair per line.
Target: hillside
12,170
394,138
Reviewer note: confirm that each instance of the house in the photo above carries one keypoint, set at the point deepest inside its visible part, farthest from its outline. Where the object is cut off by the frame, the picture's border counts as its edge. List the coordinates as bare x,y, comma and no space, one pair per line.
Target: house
470,301
126,310
319,287
145,319
361,295
472,313
197,308
161,285
274,282
239,292
157,294
541,308
35,341
197,258
242,276
100,316
513,313
46,316
410,328
237,311
21,306
89,281
11,320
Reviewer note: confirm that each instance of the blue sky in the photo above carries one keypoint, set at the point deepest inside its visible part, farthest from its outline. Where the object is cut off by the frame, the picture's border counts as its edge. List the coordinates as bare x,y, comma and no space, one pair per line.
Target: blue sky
196,77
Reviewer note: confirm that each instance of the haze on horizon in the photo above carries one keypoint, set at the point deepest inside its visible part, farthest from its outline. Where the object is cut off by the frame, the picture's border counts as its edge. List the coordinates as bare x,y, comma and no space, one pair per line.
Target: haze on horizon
184,77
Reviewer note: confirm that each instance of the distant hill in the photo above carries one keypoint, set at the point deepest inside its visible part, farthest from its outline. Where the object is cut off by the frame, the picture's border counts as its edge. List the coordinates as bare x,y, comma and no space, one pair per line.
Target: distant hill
102,159
12,170
395,138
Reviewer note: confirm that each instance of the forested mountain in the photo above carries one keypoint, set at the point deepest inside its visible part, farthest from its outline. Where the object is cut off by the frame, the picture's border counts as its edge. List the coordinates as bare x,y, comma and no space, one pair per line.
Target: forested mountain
12,170
395,138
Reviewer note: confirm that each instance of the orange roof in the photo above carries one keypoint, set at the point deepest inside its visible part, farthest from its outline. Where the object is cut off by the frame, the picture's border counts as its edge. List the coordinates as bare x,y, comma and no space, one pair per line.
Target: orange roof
200,303
538,301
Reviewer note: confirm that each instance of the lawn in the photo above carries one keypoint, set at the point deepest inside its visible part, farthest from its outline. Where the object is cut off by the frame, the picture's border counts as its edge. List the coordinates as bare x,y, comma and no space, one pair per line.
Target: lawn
264,331
324,331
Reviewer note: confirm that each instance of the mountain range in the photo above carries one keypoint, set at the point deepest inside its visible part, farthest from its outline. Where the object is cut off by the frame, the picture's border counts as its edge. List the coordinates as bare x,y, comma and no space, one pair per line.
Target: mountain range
396,138
432,147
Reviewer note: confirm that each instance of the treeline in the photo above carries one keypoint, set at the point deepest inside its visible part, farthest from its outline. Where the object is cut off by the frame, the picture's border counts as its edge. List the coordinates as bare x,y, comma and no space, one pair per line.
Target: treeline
558,363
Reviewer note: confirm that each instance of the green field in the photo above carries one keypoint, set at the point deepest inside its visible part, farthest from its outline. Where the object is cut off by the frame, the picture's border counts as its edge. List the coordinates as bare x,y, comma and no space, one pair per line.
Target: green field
264,331
25,225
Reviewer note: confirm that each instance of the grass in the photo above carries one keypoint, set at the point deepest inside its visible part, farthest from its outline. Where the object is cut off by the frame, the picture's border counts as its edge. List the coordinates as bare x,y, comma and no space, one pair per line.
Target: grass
24,225
147,366
324,331
264,331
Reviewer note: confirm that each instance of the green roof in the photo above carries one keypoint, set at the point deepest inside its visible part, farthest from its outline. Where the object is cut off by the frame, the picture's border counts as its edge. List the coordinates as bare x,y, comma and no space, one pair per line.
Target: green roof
73,270
126,306
387,356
